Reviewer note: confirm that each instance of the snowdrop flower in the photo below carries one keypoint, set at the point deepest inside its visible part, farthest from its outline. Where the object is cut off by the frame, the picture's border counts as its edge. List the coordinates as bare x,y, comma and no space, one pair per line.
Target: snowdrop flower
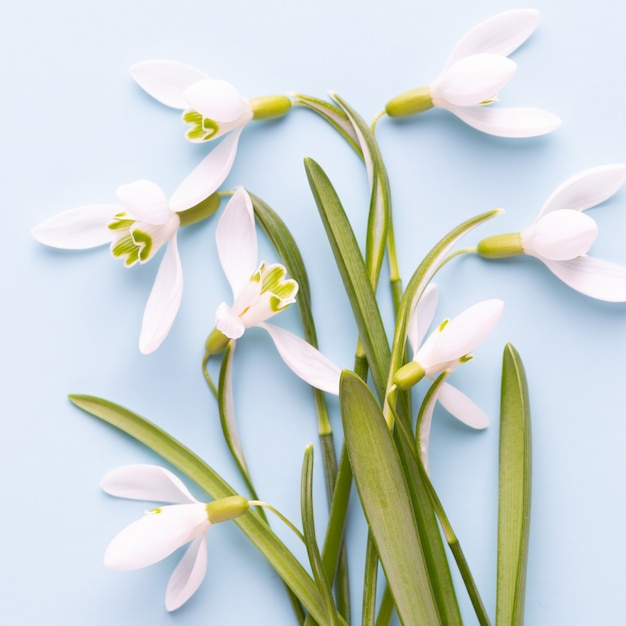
260,291
474,74
447,346
211,107
143,223
164,529
562,234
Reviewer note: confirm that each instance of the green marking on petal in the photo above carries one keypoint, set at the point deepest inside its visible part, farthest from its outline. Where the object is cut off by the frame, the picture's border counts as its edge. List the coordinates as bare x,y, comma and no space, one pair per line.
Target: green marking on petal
202,128
466,358
443,324
126,248
154,511
120,221
143,242
272,277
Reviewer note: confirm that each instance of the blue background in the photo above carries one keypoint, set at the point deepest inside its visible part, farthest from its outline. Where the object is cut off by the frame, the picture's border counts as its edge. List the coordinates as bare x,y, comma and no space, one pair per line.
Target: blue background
74,126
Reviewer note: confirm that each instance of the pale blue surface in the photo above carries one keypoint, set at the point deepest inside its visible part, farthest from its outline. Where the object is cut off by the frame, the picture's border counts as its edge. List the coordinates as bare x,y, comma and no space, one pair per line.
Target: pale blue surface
74,126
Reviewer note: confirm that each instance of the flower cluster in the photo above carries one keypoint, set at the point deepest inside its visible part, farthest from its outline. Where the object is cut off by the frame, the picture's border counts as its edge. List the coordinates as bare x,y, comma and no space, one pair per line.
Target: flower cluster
386,447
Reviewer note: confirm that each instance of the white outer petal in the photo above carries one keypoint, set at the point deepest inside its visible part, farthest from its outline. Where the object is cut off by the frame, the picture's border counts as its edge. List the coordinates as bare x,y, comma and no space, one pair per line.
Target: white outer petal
472,80
188,574
164,300
593,277
166,80
586,189
500,34
146,482
512,122
560,235
422,317
465,332
228,323
156,535
215,99
304,360
206,178
460,406
144,201
78,229
236,240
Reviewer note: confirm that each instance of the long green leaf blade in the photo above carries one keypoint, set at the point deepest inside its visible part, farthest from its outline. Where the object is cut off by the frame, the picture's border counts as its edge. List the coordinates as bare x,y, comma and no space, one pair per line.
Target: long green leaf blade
353,273
514,491
308,528
386,502
181,457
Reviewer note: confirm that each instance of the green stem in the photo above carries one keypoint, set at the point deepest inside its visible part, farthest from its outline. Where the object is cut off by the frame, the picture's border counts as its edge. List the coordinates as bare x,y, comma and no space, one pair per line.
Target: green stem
385,611
279,515
207,376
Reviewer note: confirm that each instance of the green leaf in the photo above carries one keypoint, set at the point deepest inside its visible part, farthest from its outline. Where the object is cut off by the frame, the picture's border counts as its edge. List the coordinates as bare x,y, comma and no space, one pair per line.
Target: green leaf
308,527
386,502
380,202
334,116
192,466
353,273
514,491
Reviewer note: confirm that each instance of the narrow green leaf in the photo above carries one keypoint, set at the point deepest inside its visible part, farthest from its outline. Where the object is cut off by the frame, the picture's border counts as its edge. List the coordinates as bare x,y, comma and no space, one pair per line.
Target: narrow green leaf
353,273
380,195
308,527
514,491
423,427
386,502
334,116
192,466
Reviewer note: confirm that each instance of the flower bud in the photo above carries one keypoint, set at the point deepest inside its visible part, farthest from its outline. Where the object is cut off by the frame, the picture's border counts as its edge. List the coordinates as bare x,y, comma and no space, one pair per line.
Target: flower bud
408,375
216,342
200,211
410,103
270,107
226,509
500,246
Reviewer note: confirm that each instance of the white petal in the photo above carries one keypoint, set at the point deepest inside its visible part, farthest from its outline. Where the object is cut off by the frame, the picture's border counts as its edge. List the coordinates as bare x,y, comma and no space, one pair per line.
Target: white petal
146,482
208,175
560,235
145,201
472,80
228,323
513,122
459,405
166,80
466,331
187,575
237,241
78,229
500,34
304,360
422,317
587,189
156,535
594,278
215,99
164,300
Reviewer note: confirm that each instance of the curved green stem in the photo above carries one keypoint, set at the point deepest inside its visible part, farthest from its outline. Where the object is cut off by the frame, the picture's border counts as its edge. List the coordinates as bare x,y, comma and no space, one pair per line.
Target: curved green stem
279,515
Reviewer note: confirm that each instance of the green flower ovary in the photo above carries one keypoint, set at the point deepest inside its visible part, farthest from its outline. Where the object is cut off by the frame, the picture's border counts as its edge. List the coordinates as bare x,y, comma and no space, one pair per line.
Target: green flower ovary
202,128
132,246
282,292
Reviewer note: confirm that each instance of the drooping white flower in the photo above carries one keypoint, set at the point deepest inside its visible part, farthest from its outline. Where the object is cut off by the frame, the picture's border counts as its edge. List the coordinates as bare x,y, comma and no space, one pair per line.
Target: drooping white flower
138,227
562,235
211,107
163,530
260,291
474,74
449,345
